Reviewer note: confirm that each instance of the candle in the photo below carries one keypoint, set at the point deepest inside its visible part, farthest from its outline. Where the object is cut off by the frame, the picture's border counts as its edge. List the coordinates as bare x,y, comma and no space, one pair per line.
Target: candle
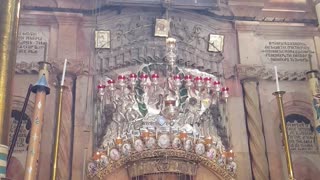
277,79
64,72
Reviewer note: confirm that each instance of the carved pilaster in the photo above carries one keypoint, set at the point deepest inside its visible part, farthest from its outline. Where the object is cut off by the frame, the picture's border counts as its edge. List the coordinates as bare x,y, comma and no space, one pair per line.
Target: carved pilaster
66,131
257,145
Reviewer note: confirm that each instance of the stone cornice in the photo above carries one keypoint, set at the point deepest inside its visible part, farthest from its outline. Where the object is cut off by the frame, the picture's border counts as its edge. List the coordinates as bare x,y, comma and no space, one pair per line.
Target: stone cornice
263,73
276,28
75,67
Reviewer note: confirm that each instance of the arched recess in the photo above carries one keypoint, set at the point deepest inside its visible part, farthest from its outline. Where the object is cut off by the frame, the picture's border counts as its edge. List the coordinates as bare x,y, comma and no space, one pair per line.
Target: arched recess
16,167
132,43
294,103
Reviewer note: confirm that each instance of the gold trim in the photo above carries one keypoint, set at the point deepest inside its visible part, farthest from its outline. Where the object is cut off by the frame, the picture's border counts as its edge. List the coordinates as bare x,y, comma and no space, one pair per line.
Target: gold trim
220,171
162,165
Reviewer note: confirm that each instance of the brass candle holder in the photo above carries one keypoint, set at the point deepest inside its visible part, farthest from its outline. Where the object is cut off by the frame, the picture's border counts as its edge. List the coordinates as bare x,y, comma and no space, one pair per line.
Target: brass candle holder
279,96
57,135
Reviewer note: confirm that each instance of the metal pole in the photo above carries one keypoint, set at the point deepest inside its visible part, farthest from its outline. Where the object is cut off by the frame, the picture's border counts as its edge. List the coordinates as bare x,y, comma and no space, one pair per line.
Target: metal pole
279,95
57,137
9,20
16,132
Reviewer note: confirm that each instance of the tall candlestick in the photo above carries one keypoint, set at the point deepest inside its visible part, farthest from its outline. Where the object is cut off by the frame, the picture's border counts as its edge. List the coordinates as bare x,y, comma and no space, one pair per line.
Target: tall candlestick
41,89
64,72
285,136
277,79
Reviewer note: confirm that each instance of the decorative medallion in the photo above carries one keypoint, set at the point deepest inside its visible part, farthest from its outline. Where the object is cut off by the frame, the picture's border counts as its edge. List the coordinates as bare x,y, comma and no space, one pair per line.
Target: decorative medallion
151,142
200,149
188,145
164,141
126,149
114,154
138,145
92,168
212,153
176,143
104,160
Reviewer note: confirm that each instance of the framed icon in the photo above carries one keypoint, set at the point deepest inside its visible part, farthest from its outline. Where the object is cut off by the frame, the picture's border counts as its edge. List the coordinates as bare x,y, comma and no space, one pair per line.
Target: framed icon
102,39
162,28
215,43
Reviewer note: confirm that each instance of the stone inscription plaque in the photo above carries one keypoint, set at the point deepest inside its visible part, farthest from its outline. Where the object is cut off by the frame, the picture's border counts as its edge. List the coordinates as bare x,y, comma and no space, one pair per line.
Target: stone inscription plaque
32,43
288,54
301,134
21,143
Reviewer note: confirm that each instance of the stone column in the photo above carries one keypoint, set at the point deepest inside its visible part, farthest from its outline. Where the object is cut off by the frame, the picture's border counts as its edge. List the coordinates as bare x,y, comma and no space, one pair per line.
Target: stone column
66,132
258,152
83,135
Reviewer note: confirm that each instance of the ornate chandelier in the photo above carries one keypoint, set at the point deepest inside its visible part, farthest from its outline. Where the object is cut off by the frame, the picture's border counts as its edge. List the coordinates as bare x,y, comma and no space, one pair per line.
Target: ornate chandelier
161,107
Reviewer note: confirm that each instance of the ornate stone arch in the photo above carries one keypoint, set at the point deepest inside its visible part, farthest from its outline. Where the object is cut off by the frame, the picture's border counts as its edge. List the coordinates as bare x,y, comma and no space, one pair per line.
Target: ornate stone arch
294,103
133,44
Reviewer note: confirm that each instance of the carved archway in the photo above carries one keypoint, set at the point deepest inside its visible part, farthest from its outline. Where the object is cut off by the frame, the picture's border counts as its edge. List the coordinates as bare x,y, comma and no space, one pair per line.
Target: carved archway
133,45
149,161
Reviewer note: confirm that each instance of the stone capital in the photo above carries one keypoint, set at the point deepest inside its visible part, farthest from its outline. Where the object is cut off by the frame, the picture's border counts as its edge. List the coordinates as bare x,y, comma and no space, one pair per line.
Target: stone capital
265,73
68,18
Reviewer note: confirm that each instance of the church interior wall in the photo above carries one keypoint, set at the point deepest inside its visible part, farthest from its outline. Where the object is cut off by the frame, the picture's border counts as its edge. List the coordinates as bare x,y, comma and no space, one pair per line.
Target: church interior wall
71,36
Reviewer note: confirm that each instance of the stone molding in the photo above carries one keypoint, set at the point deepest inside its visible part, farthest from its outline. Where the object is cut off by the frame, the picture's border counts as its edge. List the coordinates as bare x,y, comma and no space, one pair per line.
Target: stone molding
75,66
263,73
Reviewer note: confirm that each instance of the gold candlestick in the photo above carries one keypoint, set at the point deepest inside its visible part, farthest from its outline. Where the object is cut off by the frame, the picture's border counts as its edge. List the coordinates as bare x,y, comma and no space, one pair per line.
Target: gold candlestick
279,95
9,20
57,136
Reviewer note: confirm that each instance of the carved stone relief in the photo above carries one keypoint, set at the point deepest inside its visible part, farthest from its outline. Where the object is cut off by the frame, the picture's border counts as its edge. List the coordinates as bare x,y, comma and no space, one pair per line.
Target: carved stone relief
132,43
262,72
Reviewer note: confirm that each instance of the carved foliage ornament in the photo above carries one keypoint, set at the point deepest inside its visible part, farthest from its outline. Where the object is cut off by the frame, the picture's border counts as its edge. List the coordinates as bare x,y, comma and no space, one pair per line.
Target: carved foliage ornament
262,72
133,42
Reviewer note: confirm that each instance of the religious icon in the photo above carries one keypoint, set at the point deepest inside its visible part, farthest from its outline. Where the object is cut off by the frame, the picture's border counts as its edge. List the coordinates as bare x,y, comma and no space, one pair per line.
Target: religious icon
188,145
102,39
114,154
176,143
151,143
215,43
126,149
138,145
200,149
212,153
162,28
164,141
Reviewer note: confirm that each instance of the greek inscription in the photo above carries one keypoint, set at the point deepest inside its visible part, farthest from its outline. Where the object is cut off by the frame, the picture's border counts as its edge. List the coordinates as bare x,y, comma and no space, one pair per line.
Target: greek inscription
30,43
300,134
282,51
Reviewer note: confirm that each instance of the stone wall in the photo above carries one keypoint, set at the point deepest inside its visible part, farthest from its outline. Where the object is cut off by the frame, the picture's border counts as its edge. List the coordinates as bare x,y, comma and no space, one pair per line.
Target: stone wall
252,48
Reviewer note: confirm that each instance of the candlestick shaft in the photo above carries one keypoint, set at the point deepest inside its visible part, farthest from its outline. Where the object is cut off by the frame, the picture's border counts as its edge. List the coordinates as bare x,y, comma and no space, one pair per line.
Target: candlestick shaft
9,19
279,95
57,137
